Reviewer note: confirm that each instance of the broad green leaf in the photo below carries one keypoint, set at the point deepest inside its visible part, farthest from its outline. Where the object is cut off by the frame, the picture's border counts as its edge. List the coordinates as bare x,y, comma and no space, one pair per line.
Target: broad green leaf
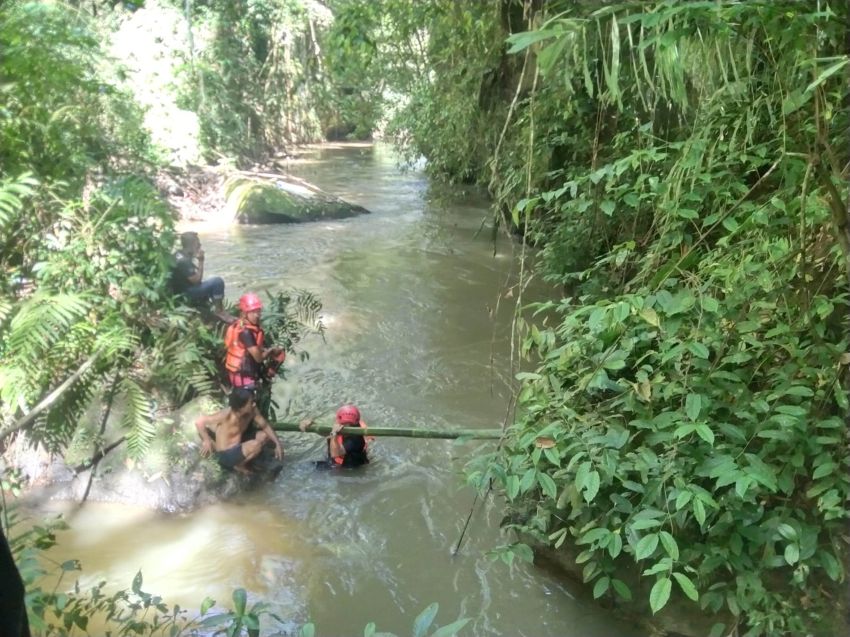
369,630
643,524
660,594
615,545
705,433
308,630
687,586
646,546
621,589
593,535
831,565
423,622
240,599
717,630
699,511
669,544
824,470
528,480
693,405
208,603
450,630
699,350
682,499
547,484
650,316
592,486
792,553
601,587
787,531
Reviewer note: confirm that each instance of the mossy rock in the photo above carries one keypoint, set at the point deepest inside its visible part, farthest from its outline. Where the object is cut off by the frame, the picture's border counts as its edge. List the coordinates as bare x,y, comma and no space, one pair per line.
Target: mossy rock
258,201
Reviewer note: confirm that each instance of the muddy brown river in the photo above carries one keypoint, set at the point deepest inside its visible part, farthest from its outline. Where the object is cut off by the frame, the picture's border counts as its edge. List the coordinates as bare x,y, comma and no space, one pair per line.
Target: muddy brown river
413,337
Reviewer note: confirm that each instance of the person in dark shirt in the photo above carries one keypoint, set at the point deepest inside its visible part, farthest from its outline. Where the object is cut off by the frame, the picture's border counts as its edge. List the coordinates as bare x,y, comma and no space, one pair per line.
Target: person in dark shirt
13,611
188,276
344,450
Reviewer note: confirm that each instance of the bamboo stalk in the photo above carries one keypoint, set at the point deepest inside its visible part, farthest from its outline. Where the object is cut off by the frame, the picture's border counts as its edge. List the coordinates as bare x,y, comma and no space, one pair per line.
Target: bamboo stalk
400,432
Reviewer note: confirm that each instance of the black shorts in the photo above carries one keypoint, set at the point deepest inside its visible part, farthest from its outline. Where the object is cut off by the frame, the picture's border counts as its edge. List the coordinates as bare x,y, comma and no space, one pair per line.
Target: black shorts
231,457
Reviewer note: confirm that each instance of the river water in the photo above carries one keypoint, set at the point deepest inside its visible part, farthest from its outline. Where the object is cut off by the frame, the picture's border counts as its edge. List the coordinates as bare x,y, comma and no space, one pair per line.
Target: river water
415,336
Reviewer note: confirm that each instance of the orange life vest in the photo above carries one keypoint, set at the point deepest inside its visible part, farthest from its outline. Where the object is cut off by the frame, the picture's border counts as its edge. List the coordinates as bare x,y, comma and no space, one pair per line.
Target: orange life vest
341,459
234,360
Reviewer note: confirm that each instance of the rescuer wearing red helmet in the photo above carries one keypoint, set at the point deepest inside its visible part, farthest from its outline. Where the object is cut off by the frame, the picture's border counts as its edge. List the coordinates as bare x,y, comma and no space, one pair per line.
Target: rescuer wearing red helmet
345,450
245,343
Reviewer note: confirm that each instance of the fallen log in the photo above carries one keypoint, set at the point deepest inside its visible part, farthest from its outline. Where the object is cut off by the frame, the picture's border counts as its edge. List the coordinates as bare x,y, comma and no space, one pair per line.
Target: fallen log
399,432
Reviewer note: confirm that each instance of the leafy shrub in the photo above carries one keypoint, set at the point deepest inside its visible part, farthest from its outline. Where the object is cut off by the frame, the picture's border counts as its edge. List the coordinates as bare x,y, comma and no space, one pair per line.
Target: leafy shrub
686,421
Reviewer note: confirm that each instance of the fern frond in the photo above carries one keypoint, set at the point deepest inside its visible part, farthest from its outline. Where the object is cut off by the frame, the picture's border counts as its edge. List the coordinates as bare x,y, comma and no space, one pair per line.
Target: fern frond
13,192
42,319
138,418
58,426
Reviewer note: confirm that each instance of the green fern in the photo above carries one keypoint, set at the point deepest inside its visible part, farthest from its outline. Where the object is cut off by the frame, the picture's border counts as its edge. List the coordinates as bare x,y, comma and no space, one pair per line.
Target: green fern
13,192
42,320
57,427
138,419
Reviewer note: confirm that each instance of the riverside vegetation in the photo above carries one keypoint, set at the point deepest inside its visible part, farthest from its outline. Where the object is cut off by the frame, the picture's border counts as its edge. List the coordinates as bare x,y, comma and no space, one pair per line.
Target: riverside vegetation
680,169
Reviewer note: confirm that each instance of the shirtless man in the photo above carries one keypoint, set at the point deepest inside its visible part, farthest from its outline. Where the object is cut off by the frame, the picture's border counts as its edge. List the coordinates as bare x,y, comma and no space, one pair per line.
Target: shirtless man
228,425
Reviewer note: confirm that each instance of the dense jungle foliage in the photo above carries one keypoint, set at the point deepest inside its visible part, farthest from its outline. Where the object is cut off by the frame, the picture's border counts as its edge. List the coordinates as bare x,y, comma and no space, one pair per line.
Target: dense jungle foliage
87,315
678,170
682,169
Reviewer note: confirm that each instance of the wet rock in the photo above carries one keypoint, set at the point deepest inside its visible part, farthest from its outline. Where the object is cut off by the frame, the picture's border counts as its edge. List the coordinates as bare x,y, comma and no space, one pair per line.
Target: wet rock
171,476
277,200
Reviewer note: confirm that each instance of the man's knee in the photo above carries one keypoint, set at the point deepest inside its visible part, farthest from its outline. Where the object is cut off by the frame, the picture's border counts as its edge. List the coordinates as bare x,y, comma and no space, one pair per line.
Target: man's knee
262,437
216,287
251,449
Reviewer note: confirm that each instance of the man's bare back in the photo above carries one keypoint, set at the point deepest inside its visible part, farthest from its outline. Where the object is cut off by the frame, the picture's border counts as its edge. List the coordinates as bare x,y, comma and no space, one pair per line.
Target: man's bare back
228,426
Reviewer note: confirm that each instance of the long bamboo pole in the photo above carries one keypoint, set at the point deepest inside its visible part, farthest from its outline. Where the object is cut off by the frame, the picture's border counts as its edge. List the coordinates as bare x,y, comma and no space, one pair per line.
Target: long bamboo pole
400,432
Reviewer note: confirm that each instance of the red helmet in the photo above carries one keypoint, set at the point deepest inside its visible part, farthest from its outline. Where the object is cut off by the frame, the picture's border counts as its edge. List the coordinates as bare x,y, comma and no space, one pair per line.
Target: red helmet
348,415
249,302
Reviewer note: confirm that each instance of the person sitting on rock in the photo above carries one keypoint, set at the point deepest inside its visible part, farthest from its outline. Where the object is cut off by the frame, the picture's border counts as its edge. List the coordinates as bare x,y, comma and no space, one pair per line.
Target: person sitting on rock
344,450
229,425
188,277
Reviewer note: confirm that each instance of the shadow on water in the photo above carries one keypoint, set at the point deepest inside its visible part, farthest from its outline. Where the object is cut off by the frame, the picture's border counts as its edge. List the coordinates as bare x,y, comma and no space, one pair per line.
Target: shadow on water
410,294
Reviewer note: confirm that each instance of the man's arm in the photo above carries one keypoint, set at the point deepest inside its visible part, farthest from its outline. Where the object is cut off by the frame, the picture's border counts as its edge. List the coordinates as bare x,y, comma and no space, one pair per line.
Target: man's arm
198,272
250,344
335,449
263,425
211,421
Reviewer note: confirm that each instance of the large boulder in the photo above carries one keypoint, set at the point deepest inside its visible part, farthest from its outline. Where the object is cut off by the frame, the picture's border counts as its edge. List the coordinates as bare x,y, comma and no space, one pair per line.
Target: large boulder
251,199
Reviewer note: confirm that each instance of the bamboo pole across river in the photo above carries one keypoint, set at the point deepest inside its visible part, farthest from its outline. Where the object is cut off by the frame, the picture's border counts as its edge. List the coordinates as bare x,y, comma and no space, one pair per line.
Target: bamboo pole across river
325,430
